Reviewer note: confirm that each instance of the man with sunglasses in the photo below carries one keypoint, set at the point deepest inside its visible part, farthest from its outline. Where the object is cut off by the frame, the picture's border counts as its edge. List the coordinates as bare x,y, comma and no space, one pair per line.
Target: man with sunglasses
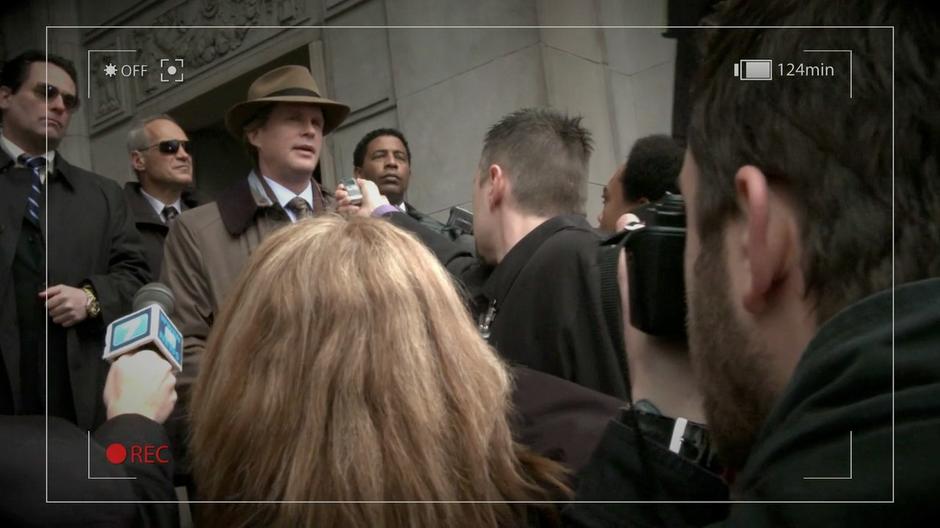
161,159
71,258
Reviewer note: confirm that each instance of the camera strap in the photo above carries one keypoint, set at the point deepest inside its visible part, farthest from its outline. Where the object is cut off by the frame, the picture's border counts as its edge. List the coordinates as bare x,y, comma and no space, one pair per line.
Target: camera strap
607,259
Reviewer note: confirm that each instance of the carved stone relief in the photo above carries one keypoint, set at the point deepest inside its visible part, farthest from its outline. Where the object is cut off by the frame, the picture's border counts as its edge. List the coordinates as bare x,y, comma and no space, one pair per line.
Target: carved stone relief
107,100
110,99
225,33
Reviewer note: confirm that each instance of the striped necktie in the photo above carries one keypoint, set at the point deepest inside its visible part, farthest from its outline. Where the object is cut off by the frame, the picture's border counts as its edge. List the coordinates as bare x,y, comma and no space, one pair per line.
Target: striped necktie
36,164
300,208
169,214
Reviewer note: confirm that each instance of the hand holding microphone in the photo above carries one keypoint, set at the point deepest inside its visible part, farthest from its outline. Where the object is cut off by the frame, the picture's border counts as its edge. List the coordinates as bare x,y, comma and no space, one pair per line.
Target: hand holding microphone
371,198
147,327
141,383
146,350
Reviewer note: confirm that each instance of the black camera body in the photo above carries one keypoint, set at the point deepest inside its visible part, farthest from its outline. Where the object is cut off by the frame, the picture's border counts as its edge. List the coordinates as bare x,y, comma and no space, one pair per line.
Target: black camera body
655,251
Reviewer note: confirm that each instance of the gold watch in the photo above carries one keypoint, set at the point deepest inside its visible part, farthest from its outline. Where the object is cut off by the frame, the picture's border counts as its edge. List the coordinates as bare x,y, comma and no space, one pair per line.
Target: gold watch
92,306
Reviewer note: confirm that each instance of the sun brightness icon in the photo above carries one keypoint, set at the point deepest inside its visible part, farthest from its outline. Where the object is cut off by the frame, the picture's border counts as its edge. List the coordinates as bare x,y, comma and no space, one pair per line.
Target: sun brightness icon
110,70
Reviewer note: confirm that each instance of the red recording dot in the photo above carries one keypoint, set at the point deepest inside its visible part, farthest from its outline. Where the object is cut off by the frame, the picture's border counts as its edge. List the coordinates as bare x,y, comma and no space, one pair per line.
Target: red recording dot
116,453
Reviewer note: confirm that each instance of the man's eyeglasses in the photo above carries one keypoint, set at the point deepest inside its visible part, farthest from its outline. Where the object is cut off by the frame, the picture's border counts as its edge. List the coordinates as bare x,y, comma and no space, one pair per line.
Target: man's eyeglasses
44,91
171,146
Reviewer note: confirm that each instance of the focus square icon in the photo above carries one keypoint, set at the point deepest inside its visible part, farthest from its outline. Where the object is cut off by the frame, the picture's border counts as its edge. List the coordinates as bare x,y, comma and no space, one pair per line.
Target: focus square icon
171,70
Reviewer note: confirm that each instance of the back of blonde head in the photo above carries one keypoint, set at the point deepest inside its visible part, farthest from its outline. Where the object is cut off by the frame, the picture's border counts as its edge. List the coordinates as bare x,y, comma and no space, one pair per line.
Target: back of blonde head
344,367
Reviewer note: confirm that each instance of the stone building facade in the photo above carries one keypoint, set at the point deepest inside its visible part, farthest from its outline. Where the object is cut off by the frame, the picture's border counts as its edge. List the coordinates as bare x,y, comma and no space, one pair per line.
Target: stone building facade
388,59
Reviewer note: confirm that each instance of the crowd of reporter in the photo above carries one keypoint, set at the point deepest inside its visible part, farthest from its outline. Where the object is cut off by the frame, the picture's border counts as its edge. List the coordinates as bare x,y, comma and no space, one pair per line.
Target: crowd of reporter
749,339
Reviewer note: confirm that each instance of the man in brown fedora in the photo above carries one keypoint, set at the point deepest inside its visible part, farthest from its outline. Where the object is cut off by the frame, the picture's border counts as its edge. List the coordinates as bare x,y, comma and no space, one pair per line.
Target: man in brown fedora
281,123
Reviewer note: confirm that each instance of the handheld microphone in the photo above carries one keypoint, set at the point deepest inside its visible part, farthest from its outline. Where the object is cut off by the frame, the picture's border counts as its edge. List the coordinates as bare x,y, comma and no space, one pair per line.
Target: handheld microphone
353,190
148,326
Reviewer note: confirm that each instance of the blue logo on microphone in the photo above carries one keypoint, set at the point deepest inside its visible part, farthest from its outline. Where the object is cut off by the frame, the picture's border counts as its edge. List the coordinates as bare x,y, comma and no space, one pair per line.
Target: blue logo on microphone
136,326
170,337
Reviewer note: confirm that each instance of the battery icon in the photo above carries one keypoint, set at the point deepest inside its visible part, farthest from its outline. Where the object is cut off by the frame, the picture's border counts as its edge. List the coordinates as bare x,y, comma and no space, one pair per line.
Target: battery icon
754,70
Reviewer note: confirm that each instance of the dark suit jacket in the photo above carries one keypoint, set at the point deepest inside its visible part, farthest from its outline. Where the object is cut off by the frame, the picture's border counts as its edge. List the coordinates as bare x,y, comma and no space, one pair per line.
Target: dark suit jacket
91,238
546,290
23,474
151,227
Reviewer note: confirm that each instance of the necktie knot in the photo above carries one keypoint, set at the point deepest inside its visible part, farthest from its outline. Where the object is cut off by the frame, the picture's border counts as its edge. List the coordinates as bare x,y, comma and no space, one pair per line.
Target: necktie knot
300,207
34,163
169,214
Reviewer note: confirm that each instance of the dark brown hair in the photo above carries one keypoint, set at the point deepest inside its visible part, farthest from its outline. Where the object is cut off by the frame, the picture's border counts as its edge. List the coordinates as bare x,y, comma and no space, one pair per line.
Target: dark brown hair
258,120
16,70
829,153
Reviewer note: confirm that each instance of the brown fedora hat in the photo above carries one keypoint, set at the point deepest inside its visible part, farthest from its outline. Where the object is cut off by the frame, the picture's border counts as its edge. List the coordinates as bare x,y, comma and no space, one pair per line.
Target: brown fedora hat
287,84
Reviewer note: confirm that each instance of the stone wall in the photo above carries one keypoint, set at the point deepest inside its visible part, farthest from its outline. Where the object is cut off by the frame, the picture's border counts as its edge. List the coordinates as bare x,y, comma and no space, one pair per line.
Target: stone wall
442,86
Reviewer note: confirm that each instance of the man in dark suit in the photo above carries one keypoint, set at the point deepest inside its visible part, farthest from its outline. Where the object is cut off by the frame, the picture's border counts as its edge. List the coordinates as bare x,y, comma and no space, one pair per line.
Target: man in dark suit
160,157
384,157
65,225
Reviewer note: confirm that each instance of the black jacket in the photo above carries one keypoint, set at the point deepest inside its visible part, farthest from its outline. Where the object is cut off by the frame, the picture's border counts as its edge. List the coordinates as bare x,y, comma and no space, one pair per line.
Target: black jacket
558,419
91,238
842,390
628,467
151,227
71,458
546,291
863,406
465,241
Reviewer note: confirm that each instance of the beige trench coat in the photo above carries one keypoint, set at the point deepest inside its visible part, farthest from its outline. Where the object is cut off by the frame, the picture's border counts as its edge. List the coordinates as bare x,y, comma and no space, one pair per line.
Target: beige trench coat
206,249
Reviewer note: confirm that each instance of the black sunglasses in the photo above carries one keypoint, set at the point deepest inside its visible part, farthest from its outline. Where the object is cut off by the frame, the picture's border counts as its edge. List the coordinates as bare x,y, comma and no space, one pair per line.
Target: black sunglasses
50,92
172,146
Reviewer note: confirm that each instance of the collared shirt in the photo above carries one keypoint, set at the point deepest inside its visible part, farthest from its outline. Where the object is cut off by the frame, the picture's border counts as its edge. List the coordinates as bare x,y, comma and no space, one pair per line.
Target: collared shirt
14,151
285,195
402,206
158,205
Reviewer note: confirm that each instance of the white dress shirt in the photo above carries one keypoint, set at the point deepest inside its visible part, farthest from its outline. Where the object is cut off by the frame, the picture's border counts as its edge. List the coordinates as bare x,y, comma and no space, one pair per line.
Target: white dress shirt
15,151
158,205
284,195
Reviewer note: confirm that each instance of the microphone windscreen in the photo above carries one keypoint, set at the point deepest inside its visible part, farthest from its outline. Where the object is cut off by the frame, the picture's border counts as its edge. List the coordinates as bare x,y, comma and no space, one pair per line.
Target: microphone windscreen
155,293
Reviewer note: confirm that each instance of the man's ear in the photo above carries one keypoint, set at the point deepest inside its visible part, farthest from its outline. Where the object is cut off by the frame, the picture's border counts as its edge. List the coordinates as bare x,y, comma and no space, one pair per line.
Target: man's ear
499,185
766,236
357,172
5,94
137,161
252,136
